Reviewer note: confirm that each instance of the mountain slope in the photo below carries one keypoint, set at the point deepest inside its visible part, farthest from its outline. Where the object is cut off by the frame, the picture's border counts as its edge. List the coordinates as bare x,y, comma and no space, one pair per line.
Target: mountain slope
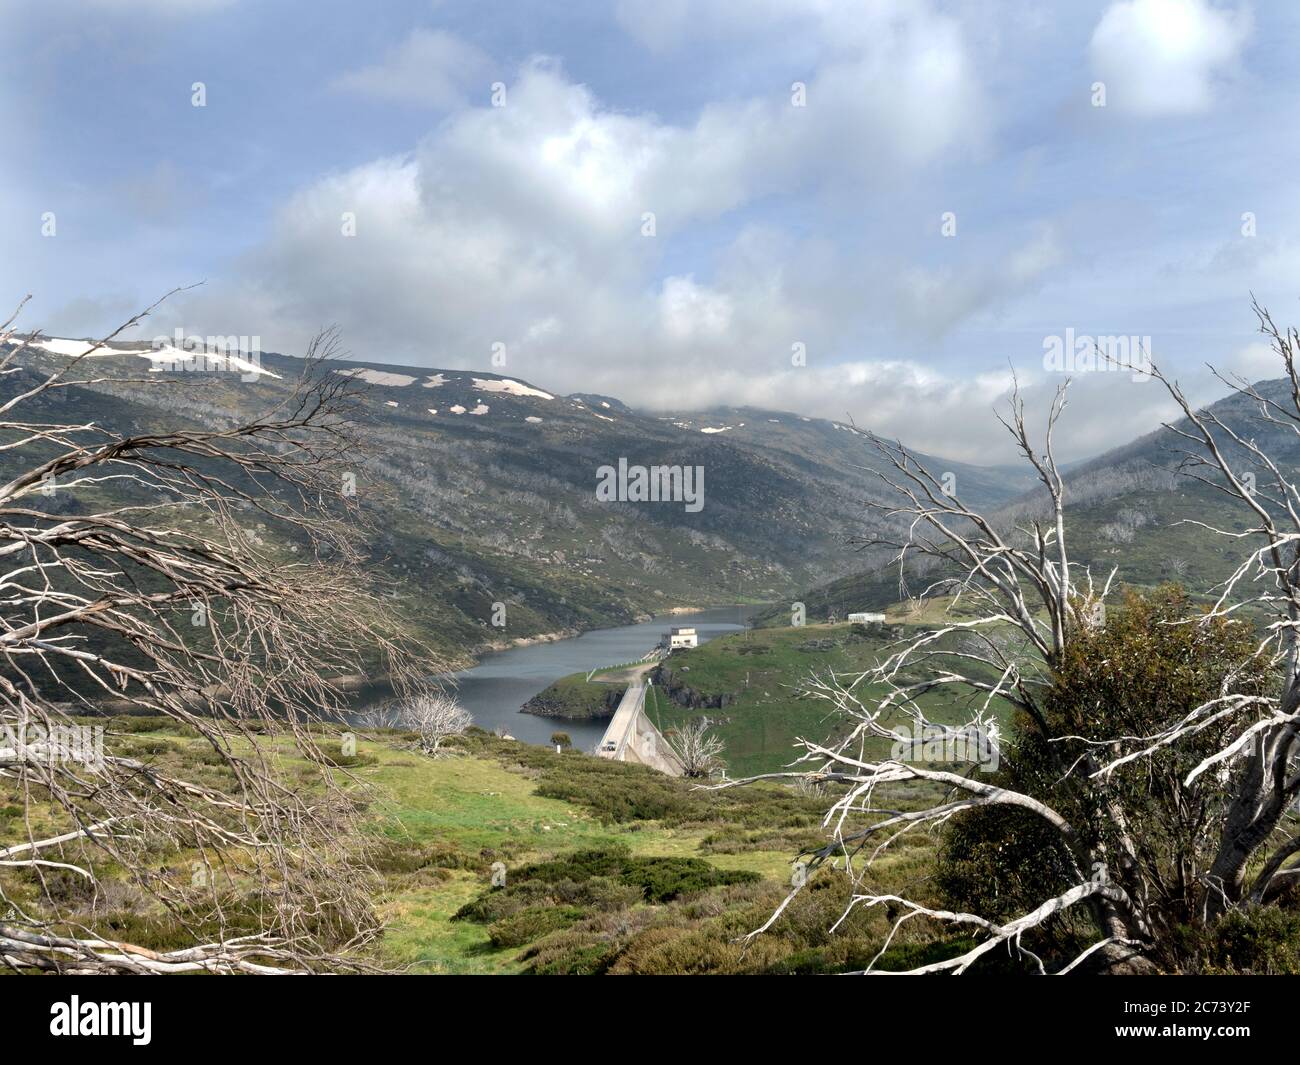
1131,509
483,487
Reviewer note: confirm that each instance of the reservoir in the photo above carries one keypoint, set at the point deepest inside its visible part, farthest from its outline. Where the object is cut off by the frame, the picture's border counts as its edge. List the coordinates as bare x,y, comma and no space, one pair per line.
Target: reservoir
495,689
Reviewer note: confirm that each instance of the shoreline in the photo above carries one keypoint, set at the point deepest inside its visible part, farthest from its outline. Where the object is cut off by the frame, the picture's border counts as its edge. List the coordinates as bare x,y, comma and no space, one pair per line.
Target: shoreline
638,618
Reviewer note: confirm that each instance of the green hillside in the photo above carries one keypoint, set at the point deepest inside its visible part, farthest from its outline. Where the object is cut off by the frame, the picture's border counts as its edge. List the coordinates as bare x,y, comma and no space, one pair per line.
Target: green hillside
748,685
608,868
1130,510
480,491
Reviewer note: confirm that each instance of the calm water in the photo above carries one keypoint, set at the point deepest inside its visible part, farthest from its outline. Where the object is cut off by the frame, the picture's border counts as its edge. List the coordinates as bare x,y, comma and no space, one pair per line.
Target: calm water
494,690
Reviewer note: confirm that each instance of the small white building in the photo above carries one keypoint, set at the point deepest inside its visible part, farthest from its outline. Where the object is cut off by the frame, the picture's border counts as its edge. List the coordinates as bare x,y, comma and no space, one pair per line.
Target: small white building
867,619
679,636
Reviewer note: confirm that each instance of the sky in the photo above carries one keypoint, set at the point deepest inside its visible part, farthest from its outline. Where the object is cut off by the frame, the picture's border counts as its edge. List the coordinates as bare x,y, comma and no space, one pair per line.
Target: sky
877,210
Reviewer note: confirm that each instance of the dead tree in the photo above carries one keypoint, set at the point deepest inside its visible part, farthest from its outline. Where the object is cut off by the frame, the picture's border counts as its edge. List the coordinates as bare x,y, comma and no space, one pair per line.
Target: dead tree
1021,601
216,577
697,747
434,718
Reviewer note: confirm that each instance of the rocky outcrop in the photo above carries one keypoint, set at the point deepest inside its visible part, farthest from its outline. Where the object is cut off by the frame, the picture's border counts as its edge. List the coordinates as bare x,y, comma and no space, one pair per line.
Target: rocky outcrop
673,684
547,704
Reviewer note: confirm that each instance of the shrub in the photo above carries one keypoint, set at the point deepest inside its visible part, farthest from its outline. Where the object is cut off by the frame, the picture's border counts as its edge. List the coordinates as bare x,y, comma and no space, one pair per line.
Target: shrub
663,879
396,857
573,954
1260,940
532,923
493,905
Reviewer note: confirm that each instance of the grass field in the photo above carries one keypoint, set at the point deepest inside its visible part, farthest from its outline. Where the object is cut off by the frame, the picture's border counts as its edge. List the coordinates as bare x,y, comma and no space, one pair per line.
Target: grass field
440,824
762,672
486,810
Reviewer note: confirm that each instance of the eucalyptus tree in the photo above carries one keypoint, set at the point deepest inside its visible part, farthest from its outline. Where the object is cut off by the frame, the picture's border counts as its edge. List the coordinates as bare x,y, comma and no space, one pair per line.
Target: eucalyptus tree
1029,625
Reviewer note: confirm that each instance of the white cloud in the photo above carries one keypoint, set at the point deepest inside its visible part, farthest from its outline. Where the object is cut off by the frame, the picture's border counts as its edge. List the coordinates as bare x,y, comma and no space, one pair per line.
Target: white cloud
431,68
522,225
689,312
1167,57
1254,362
932,302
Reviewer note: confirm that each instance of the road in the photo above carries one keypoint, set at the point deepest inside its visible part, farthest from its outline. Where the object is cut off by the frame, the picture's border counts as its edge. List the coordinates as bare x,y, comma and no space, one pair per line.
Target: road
631,737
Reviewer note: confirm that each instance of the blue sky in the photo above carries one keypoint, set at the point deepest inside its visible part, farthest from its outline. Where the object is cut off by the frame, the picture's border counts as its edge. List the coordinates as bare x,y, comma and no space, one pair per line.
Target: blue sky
775,224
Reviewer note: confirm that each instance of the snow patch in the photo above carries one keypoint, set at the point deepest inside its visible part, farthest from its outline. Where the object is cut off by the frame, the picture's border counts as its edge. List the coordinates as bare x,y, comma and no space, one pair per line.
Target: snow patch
513,388
718,429
435,381
164,358
532,418
377,377
390,403
170,358
74,349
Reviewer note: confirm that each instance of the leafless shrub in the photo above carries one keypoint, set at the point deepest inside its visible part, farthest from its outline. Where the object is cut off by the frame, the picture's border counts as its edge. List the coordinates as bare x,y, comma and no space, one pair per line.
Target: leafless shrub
1116,533
697,747
215,577
433,718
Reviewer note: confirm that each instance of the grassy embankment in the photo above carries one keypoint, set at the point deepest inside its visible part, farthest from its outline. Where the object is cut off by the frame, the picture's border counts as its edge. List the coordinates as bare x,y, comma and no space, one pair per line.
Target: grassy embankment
761,672
609,867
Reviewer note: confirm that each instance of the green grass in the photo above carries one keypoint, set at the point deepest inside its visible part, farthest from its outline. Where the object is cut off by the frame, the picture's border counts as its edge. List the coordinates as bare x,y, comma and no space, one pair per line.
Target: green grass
761,673
575,698
764,671
489,810
709,867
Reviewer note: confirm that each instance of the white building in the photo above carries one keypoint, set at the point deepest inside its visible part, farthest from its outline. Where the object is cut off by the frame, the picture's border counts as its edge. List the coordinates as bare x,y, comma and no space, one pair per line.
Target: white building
867,619
682,637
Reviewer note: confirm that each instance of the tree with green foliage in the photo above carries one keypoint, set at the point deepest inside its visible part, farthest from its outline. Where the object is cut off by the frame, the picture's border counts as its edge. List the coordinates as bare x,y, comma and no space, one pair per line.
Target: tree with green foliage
1148,667
1154,767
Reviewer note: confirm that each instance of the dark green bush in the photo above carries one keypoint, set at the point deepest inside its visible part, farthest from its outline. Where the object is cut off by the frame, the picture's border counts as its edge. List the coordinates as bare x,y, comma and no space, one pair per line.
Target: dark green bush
532,923
1261,940
502,902
663,879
